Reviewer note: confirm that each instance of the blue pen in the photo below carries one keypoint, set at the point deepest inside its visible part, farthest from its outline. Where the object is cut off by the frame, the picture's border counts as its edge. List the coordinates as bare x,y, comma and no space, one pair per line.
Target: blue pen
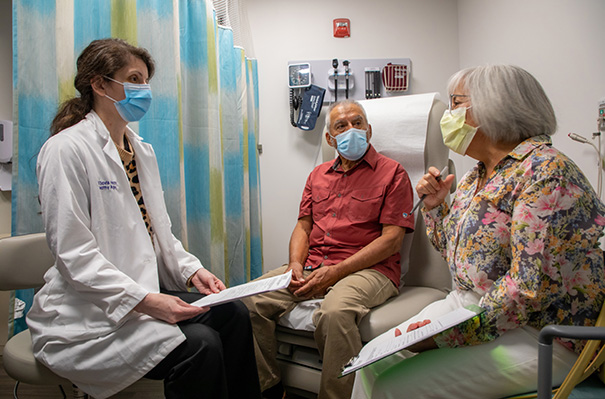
438,178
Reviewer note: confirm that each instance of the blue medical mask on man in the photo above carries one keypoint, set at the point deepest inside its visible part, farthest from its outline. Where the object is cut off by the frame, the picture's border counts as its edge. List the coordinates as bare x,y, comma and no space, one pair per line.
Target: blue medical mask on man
352,144
136,103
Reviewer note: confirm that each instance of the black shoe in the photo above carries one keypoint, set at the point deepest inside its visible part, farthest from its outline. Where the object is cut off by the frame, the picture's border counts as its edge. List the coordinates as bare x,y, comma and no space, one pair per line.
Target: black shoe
275,392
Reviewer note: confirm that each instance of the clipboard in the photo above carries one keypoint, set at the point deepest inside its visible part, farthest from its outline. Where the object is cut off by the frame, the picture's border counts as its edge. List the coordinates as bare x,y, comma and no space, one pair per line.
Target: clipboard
244,290
372,353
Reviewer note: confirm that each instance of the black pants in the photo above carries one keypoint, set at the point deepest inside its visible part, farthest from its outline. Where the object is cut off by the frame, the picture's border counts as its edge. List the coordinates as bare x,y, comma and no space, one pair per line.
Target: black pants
217,359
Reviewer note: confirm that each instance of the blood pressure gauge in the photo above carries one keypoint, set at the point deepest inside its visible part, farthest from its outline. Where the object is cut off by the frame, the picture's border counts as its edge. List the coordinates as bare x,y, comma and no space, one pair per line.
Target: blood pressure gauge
299,75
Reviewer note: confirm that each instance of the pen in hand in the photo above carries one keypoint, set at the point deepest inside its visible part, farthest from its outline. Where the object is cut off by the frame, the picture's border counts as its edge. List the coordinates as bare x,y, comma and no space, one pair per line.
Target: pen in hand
438,178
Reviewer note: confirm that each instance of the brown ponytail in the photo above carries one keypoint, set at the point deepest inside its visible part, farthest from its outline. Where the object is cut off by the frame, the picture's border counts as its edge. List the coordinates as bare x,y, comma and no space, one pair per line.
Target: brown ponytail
70,112
101,58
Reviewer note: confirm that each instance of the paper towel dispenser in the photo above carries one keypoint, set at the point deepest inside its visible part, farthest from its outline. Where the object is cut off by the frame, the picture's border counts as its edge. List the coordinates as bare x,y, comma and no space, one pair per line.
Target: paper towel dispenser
6,141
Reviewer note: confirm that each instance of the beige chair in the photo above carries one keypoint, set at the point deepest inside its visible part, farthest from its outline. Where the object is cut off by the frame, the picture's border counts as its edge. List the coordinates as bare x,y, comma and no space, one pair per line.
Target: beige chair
427,280
23,262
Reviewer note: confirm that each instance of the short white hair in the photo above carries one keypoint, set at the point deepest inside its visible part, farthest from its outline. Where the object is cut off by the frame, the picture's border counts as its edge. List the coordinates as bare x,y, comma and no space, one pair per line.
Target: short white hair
508,103
339,103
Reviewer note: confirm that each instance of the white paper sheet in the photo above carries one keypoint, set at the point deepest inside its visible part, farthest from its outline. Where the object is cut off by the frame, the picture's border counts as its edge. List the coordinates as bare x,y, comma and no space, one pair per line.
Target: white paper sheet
372,353
399,129
244,290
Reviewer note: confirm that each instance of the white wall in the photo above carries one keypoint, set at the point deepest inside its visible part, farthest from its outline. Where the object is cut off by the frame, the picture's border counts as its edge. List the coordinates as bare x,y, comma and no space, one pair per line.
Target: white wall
560,42
282,31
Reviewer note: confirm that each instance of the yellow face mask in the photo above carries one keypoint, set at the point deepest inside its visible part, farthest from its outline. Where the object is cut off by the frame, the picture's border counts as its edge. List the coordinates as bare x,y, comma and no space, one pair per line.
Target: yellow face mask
457,135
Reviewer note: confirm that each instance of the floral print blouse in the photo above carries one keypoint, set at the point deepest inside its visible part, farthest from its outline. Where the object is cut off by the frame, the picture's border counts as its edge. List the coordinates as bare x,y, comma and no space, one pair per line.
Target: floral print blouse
527,242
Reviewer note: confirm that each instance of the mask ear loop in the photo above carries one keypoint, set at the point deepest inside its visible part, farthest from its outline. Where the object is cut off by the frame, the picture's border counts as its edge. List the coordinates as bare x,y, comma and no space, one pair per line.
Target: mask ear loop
459,109
113,80
115,101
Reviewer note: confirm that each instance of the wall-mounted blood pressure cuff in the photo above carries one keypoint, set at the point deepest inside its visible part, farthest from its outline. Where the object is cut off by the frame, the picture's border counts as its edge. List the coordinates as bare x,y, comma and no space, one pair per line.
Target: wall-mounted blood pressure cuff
313,99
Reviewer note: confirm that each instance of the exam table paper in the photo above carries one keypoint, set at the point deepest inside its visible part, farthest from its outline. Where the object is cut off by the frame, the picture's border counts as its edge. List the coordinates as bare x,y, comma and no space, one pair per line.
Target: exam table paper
372,353
244,290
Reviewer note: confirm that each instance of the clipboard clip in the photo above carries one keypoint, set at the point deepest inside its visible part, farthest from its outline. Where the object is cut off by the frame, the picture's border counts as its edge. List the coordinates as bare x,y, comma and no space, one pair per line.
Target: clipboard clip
349,365
350,362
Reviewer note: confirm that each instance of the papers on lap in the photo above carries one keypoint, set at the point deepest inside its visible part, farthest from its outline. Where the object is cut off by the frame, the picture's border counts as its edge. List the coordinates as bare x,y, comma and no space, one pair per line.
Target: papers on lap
372,353
244,290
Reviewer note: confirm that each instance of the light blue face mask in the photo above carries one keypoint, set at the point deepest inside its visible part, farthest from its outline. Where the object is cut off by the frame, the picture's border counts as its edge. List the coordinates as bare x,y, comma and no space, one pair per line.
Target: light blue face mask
352,144
136,103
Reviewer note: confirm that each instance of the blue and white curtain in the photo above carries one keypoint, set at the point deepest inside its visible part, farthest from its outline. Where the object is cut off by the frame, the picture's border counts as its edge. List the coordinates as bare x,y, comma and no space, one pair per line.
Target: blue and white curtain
203,122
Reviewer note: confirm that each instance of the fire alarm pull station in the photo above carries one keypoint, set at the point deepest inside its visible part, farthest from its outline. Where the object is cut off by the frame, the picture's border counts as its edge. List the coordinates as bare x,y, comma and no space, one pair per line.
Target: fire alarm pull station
342,27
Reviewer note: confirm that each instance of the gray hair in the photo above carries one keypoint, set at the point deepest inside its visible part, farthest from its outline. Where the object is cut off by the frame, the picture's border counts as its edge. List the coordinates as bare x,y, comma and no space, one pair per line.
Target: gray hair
343,102
508,103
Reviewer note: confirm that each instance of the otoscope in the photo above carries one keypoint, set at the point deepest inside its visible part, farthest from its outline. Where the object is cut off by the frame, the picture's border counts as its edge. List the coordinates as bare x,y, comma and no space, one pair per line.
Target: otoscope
335,66
346,64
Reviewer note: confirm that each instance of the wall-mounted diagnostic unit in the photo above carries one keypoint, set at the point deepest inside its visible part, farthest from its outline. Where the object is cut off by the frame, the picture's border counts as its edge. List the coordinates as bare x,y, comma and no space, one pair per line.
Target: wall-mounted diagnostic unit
299,75
306,99
357,79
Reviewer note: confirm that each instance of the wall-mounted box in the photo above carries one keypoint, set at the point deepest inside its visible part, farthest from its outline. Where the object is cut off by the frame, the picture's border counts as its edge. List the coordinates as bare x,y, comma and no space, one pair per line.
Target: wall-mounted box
6,141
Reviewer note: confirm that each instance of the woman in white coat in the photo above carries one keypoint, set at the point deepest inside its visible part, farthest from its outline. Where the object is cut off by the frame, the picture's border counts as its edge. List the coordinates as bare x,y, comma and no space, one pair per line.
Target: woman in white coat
114,307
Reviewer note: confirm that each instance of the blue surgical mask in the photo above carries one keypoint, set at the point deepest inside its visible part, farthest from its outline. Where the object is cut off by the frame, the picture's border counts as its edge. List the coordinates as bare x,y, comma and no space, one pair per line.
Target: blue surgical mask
352,144
136,103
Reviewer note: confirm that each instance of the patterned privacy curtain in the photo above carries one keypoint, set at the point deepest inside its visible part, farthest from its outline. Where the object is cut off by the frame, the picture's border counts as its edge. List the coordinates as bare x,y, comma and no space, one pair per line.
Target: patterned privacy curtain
203,121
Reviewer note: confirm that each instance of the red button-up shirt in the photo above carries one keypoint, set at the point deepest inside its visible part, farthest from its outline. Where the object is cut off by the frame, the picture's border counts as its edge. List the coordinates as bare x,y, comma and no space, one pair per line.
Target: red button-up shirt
349,209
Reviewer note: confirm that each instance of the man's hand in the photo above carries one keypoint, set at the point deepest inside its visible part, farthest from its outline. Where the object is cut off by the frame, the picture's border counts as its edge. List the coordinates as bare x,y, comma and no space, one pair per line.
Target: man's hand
168,308
297,276
206,282
318,282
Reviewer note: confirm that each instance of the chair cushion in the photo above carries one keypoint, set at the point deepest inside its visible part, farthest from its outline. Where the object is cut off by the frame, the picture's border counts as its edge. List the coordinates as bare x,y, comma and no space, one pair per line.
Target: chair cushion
409,302
20,364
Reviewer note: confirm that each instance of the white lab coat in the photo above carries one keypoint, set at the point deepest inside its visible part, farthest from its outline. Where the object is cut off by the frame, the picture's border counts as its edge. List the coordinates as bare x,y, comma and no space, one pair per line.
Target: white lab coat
82,321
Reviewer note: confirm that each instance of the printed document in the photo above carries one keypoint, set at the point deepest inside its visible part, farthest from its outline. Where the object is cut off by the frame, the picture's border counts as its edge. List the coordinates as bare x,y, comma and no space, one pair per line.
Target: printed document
244,290
371,353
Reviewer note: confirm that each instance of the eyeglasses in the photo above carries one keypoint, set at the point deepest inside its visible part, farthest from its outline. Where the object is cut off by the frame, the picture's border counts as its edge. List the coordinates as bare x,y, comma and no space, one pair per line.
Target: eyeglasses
452,97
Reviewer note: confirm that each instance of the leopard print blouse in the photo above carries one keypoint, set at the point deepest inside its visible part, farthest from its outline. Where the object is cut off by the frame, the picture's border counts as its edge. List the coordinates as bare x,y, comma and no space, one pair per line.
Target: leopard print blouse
130,165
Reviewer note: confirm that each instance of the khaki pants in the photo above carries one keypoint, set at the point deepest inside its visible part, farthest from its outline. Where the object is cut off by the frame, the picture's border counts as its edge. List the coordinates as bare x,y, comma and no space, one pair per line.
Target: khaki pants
336,320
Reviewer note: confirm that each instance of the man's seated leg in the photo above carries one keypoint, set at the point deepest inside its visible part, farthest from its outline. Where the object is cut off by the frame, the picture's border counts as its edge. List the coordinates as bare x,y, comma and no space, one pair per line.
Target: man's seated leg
337,320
